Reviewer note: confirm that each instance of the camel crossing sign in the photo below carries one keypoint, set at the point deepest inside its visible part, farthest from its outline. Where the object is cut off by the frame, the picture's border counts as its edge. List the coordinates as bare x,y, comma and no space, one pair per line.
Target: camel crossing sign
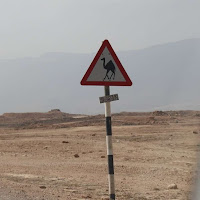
106,69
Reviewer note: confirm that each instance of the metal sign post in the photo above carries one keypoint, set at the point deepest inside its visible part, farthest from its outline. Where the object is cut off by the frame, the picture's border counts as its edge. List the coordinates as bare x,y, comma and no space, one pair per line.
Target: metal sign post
107,70
109,146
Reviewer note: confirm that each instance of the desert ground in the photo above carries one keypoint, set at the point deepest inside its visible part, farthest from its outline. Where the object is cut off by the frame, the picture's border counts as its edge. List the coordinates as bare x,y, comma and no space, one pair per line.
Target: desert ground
60,156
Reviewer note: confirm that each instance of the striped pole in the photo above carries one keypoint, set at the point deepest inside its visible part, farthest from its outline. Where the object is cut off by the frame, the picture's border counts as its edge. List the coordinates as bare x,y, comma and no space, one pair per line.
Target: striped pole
109,146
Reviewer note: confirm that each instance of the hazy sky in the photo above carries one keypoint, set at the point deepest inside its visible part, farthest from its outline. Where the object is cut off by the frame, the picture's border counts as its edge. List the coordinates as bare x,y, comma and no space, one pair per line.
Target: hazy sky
34,27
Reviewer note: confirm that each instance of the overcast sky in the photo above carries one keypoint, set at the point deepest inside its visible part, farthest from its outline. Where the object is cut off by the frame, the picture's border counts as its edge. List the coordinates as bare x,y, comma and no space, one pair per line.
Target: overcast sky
34,27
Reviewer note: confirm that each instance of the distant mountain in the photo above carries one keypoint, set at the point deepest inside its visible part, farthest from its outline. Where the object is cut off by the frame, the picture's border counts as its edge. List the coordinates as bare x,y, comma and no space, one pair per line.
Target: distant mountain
165,77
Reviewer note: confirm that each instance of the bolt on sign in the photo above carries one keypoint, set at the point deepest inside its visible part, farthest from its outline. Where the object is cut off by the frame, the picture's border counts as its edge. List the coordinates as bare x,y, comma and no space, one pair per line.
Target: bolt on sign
106,70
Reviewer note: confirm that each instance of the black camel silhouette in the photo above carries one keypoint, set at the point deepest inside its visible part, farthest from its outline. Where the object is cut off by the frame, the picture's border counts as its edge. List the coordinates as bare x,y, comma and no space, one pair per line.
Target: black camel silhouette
109,67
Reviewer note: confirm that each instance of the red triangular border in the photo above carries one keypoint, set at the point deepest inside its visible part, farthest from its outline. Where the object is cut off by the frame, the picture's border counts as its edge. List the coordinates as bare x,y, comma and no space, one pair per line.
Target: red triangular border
128,81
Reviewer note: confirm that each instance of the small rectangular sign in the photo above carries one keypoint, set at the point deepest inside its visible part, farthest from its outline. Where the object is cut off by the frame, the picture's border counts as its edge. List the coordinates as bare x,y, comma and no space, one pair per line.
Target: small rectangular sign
113,97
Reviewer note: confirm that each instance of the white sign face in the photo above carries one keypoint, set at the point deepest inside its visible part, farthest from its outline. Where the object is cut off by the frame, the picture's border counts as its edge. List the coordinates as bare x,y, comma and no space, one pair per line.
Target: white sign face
106,69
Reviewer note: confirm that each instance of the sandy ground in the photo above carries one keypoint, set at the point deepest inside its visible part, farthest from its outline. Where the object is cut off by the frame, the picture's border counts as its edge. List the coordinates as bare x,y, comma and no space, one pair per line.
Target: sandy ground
71,163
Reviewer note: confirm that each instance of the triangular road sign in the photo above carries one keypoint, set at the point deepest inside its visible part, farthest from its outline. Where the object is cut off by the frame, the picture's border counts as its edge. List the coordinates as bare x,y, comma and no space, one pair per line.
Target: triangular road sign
106,69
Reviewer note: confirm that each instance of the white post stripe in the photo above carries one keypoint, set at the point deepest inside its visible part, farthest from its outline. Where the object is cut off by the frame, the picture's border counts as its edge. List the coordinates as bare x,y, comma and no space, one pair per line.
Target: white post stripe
107,109
109,145
111,184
